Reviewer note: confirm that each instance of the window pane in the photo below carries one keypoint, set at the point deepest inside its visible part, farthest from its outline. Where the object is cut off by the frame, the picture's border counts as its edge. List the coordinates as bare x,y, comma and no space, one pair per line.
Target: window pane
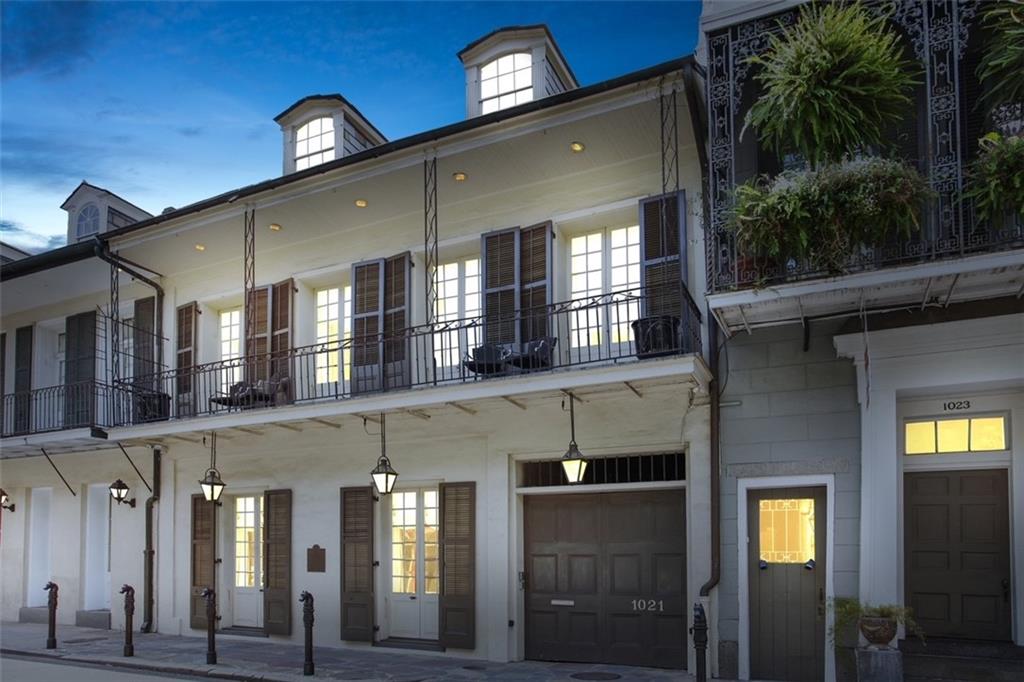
522,79
488,88
487,106
920,438
506,64
952,435
489,70
522,60
988,433
786,530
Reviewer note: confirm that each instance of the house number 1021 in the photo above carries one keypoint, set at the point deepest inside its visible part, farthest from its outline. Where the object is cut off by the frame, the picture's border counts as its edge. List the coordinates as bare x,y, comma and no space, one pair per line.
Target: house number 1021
648,605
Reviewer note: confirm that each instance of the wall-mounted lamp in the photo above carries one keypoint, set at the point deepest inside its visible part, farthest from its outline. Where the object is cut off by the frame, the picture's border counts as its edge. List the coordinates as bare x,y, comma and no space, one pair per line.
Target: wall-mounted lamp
119,493
5,500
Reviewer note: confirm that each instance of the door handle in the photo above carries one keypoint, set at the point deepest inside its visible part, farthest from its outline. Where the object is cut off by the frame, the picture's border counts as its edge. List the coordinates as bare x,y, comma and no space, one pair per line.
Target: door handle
1006,590
412,596
762,564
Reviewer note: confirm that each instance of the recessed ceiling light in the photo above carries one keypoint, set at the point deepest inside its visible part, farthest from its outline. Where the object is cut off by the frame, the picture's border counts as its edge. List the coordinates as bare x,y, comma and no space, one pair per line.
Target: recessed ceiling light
459,176
362,203
577,147
274,227
200,247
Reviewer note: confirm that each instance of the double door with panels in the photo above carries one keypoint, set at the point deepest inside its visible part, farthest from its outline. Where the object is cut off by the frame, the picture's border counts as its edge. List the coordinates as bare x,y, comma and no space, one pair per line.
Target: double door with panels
414,580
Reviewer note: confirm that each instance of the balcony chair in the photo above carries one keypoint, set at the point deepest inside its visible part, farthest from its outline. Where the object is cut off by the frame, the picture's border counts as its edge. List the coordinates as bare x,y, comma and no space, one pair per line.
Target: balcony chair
488,360
262,393
535,354
657,335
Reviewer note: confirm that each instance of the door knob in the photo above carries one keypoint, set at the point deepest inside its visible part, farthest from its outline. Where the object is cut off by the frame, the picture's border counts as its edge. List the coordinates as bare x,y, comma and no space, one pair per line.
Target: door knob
1006,590
762,564
412,596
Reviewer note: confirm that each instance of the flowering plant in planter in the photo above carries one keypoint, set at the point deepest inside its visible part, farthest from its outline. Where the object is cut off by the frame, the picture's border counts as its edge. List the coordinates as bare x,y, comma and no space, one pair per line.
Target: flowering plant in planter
820,216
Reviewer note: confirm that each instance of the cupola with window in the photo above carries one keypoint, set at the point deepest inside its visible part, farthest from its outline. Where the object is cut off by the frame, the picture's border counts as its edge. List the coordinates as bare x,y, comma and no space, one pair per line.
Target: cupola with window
93,210
512,66
322,128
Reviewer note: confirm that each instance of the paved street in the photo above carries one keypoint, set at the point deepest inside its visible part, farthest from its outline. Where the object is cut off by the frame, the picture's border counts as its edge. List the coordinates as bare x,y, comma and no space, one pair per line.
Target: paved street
33,670
248,658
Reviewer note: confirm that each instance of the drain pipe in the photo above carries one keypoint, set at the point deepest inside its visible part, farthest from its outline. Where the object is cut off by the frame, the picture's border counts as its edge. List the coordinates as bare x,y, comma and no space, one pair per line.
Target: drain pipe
149,554
102,250
716,492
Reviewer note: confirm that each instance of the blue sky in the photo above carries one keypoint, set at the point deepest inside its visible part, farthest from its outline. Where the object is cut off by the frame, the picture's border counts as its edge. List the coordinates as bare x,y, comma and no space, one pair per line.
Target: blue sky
168,103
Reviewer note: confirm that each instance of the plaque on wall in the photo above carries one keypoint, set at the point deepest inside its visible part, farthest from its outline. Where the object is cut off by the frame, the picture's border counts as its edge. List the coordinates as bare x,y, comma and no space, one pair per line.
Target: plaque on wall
316,559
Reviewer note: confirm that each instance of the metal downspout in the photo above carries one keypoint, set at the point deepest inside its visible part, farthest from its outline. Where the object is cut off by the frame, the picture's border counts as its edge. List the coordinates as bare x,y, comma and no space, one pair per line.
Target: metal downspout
716,485
149,554
102,250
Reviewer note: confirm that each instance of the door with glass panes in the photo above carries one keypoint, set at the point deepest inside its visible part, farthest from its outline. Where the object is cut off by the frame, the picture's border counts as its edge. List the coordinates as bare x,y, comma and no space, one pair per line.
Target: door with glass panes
248,574
415,567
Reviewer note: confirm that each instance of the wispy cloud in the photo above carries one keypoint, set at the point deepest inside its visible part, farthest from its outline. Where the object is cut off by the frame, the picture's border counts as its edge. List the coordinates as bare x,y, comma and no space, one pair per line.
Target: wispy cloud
33,242
190,131
46,38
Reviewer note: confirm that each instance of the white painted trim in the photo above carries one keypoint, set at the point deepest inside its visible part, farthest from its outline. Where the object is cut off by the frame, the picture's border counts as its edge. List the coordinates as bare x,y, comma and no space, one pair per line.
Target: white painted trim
744,486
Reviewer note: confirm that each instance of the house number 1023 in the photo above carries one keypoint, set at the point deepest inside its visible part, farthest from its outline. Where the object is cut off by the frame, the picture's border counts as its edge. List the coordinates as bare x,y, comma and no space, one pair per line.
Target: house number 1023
956,405
648,605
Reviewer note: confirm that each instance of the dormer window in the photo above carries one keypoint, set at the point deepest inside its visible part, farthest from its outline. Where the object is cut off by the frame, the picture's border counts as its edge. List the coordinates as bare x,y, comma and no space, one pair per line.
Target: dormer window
314,143
88,221
506,82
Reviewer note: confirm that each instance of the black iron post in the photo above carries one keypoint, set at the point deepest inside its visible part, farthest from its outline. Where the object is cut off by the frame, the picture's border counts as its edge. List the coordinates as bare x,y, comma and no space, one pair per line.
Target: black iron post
129,610
211,621
700,641
51,607
307,620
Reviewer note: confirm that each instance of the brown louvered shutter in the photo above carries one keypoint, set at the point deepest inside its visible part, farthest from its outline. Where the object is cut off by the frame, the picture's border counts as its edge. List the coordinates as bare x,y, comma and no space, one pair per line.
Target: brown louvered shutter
203,555
663,254
79,368
281,331
23,379
277,562
144,343
501,285
357,599
395,320
257,339
457,610
534,281
367,324
186,344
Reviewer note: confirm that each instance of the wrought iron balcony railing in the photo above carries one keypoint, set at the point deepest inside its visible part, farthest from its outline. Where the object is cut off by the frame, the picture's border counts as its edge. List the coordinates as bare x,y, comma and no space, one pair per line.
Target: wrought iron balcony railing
619,327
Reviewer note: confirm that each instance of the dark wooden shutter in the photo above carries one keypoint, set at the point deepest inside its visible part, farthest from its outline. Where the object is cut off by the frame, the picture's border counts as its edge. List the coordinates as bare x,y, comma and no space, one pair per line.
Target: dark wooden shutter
458,565
186,345
357,596
501,285
144,343
257,339
203,555
395,321
277,562
663,254
79,368
534,281
281,313
23,379
367,324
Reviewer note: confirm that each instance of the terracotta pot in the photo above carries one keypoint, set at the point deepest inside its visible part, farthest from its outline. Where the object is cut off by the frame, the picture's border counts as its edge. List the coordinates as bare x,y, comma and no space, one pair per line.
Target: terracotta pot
878,631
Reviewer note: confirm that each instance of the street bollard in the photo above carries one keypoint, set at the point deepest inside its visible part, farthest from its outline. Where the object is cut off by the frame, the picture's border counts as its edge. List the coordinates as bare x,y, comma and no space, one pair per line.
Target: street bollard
211,621
307,620
700,641
51,607
129,610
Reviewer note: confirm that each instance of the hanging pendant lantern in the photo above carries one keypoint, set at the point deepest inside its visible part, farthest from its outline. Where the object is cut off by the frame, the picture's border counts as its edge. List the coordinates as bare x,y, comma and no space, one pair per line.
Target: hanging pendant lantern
573,463
212,484
383,475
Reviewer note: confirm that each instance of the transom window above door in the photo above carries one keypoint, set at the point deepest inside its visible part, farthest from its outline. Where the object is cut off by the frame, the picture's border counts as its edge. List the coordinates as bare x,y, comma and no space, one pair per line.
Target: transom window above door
955,435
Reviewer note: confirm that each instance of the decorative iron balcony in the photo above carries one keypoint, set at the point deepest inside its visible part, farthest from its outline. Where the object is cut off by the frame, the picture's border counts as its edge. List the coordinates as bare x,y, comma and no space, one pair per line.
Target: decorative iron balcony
619,327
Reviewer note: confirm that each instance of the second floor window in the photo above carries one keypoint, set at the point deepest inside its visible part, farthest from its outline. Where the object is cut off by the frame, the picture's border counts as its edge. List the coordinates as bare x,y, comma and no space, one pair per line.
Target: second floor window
230,347
314,143
458,298
333,325
506,82
88,221
605,283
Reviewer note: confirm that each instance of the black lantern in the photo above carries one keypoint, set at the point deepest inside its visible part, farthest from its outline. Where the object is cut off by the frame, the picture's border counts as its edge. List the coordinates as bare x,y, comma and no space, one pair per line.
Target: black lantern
5,501
383,475
212,484
119,493
573,462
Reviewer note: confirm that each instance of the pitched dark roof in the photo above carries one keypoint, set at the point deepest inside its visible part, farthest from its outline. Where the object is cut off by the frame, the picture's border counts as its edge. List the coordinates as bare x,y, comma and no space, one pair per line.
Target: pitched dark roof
84,183
16,269
523,27
331,96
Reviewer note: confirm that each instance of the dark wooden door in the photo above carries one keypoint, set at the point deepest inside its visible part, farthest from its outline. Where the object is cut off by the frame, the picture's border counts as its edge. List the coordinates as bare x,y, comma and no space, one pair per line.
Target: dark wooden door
786,562
606,578
957,552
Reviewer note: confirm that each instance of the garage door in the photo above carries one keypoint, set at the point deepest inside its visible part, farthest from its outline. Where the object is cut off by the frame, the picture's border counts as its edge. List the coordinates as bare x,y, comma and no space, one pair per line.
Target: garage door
606,578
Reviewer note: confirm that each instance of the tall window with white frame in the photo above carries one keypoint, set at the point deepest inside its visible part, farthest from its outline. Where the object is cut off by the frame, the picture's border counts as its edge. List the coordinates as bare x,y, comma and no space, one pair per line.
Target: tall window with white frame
333,329
605,285
88,222
506,82
230,347
456,310
314,143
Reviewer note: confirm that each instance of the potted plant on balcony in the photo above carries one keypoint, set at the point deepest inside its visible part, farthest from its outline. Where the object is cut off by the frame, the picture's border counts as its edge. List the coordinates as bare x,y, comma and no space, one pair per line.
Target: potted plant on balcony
1002,63
996,179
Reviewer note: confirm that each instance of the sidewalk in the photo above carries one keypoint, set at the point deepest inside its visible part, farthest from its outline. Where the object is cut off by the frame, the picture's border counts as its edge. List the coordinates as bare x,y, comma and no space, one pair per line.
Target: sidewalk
247,658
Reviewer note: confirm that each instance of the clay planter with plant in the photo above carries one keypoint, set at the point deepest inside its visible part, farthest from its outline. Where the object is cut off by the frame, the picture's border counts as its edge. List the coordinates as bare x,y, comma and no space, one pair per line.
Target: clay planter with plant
876,623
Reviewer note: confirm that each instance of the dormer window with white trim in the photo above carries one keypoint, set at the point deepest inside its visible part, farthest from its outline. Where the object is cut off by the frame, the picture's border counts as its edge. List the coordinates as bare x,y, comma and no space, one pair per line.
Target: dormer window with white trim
506,82
314,143
88,221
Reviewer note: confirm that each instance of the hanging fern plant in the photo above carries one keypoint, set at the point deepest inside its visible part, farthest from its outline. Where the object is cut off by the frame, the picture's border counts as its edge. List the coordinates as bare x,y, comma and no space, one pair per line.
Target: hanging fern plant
1002,62
996,180
831,84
